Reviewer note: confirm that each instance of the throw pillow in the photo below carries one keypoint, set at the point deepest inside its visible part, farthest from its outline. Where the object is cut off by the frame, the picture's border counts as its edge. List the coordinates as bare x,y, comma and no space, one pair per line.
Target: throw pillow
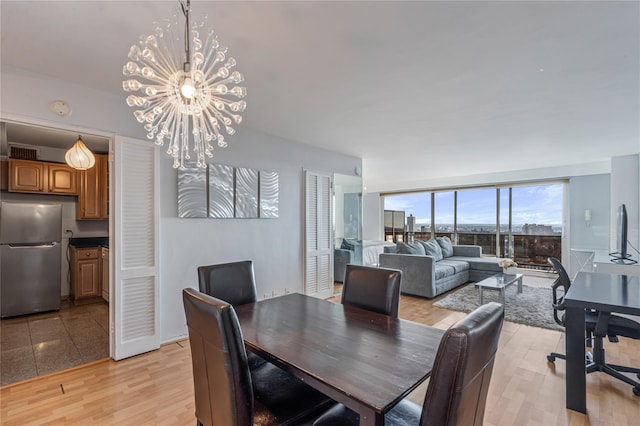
348,244
432,248
410,248
446,246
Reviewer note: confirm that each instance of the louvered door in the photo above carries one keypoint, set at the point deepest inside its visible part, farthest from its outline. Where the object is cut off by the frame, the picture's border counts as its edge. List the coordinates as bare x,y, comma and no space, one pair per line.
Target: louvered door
318,235
135,252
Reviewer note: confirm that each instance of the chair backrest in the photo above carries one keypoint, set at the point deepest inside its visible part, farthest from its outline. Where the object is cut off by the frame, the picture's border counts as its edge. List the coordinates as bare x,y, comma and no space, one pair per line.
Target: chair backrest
562,281
374,289
234,282
457,392
221,378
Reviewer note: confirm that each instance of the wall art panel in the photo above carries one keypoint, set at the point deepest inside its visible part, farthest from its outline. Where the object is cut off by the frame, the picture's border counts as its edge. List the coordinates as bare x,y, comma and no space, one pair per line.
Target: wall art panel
269,207
192,193
221,189
246,193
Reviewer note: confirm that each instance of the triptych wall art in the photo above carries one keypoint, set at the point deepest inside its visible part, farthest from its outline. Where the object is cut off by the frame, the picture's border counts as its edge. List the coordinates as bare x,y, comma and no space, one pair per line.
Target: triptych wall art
222,191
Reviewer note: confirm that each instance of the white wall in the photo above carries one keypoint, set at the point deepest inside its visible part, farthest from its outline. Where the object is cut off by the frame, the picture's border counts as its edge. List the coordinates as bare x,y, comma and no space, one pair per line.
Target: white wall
589,192
372,217
275,245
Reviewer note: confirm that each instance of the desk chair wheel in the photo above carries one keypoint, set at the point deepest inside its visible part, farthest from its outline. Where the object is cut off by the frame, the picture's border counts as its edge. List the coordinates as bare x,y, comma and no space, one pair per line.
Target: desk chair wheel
588,358
636,390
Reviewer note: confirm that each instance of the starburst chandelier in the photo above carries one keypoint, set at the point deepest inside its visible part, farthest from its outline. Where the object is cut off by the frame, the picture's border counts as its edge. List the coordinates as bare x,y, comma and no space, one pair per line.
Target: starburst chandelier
186,98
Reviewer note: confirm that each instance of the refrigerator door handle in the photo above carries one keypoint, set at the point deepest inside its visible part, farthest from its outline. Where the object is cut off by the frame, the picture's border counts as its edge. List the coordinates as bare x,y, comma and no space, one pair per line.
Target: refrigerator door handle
18,246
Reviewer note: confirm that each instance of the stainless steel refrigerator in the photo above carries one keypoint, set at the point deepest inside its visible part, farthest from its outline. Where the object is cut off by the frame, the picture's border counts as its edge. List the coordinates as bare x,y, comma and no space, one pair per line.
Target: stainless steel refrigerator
30,258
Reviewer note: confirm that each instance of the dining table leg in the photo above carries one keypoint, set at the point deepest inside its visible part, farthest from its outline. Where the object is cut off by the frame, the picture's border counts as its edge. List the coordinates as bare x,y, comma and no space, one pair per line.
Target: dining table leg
371,419
576,381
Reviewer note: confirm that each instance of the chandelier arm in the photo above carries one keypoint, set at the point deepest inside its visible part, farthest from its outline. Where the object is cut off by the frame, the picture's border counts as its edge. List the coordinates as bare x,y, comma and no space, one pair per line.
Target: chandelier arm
187,35
163,61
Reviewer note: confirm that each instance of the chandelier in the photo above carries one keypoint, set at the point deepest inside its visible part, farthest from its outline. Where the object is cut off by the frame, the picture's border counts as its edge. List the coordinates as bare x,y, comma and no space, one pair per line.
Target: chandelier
186,95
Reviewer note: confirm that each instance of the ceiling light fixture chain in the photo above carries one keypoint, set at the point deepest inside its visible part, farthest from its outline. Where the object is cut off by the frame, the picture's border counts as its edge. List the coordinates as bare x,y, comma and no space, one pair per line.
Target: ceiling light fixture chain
185,98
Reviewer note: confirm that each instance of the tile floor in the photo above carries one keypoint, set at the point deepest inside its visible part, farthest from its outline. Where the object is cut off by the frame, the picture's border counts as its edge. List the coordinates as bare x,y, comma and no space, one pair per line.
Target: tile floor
39,344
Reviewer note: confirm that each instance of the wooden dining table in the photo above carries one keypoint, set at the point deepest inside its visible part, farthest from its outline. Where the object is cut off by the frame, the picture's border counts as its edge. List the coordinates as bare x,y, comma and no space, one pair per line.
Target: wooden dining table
365,360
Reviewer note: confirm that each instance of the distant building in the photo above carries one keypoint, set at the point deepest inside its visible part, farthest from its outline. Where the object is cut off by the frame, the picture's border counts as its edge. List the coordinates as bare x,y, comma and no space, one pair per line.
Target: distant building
533,229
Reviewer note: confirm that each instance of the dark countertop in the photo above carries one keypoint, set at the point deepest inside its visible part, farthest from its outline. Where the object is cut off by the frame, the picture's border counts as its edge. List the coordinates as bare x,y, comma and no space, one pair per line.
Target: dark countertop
89,242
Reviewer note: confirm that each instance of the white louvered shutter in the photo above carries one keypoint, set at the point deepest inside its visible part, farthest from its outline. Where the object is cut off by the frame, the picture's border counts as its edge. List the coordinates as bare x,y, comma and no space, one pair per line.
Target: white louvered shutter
136,254
318,235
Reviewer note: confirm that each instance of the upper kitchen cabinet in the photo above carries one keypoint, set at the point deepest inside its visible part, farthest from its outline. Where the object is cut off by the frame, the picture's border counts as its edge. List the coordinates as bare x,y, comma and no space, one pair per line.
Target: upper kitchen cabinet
62,179
42,177
93,197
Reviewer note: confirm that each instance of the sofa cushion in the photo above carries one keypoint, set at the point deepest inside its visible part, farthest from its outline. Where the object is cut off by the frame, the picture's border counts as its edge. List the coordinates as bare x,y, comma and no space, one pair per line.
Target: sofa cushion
432,248
457,265
410,248
446,246
443,270
480,263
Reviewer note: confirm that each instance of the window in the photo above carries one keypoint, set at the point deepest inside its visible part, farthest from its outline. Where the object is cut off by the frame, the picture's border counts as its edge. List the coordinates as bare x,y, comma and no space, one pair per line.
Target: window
520,222
476,218
444,203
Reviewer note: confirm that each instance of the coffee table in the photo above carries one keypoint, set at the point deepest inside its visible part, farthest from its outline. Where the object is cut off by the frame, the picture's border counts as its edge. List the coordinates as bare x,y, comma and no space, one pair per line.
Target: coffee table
499,282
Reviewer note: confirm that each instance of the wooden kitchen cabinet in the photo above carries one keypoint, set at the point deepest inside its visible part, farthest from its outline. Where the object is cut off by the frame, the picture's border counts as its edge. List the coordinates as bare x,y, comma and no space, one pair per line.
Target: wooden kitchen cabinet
86,275
62,179
42,177
93,195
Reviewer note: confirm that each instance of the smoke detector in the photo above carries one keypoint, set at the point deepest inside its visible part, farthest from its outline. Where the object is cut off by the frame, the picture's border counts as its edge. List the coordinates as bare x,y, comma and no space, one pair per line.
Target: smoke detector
60,108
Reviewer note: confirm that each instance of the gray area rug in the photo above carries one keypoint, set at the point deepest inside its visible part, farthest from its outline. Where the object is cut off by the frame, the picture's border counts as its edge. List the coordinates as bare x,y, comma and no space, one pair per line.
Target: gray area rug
531,307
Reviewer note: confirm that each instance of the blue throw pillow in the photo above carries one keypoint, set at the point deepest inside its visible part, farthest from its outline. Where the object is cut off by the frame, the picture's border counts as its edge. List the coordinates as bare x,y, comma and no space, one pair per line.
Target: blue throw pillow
432,248
446,246
410,248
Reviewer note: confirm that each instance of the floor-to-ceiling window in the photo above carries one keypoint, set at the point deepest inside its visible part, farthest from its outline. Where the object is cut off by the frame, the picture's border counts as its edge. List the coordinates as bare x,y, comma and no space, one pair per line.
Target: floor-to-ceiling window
518,221
444,217
476,218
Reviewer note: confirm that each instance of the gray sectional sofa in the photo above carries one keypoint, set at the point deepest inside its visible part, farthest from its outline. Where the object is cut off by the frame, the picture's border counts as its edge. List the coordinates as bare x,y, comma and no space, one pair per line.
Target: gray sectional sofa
430,268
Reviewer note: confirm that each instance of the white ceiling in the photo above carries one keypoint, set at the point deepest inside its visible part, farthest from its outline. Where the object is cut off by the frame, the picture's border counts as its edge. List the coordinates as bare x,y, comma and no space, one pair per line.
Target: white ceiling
419,90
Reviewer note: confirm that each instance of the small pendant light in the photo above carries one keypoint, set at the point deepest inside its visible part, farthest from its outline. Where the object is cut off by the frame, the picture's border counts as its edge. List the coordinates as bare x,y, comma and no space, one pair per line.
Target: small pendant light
79,156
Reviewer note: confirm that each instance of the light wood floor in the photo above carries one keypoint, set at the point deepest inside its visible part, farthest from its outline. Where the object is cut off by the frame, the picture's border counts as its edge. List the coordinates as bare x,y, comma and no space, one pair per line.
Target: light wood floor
157,387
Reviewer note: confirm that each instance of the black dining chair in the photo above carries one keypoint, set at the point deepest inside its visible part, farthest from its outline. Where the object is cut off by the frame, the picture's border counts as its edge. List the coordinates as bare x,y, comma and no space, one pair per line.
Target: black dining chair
224,392
457,391
373,289
235,283
598,325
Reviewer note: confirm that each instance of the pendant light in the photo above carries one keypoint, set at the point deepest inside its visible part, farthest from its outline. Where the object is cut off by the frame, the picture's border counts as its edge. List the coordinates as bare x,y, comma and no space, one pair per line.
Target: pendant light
79,156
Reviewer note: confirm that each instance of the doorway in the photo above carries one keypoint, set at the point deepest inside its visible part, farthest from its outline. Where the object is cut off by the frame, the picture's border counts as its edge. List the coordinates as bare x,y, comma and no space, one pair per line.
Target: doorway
43,343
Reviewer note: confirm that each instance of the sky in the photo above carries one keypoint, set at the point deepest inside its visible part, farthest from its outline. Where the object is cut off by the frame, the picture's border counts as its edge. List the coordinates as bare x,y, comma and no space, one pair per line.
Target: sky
540,204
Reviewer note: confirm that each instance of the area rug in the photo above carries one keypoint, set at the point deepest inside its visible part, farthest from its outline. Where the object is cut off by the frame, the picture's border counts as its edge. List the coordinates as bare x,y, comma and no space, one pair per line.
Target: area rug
531,307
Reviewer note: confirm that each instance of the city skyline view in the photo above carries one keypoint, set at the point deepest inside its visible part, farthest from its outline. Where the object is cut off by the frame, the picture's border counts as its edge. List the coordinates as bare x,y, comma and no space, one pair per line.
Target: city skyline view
535,204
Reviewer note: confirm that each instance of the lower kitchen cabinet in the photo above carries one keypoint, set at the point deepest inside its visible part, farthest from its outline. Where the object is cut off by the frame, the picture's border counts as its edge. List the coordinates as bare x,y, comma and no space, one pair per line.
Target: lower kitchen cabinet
86,275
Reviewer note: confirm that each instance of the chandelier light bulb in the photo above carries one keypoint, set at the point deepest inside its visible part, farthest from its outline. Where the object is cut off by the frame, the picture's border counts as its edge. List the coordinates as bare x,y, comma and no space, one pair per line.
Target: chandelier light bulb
181,92
188,90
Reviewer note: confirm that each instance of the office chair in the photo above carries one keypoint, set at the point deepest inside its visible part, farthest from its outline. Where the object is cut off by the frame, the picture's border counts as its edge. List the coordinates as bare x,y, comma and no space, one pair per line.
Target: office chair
598,325
373,289
612,326
563,282
457,391
224,393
